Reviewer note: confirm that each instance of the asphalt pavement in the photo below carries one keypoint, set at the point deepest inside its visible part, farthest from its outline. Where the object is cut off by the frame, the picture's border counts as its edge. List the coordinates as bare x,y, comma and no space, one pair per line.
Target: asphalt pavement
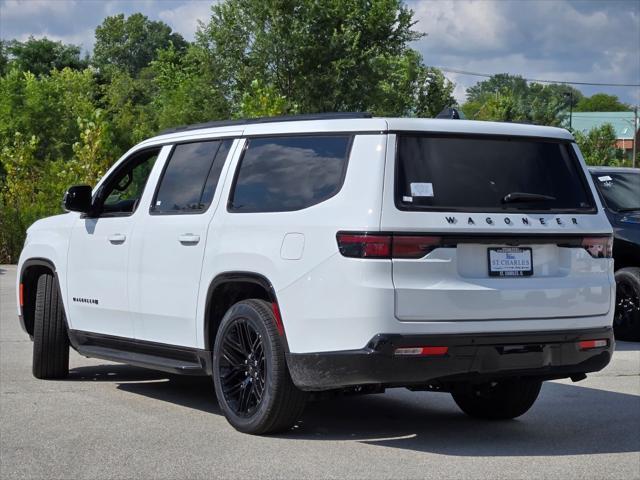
115,421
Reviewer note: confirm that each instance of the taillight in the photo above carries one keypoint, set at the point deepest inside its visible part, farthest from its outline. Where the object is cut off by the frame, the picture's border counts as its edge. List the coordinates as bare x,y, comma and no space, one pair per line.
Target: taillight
422,351
598,247
591,344
369,245
364,245
413,246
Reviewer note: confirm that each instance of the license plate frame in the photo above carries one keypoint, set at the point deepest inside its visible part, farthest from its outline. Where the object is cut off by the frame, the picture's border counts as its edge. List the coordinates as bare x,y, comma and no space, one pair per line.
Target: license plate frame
519,254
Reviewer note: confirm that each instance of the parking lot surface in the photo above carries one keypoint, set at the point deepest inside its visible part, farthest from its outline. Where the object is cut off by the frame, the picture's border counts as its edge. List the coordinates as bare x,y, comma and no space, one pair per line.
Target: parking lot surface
115,421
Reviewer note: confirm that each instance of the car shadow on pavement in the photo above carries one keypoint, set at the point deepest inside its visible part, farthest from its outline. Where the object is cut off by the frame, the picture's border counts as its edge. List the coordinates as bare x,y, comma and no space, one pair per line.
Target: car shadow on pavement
191,392
567,419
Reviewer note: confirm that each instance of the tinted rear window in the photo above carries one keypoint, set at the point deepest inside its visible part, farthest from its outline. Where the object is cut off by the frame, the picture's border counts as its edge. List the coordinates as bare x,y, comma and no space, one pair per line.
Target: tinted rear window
280,174
476,173
190,177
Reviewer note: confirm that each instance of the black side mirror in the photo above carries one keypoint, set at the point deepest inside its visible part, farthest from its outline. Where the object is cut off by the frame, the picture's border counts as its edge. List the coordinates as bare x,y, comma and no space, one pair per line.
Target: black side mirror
77,199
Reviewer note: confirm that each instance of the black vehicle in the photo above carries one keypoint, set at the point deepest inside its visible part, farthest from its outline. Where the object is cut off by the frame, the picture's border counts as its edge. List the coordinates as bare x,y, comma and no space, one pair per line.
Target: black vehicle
619,189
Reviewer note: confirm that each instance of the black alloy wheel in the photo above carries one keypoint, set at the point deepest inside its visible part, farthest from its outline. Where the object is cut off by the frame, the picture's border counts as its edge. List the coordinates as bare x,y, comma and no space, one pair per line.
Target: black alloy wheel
626,320
250,374
242,367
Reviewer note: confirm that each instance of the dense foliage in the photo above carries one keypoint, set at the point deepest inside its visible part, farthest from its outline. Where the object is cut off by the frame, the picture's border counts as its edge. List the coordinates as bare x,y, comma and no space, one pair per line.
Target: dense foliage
511,98
598,146
65,118
601,102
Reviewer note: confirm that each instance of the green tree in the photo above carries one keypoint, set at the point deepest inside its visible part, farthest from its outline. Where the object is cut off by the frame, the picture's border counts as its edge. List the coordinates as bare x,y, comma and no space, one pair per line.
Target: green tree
130,44
188,88
501,83
434,94
598,146
21,197
47,107
601,102
505,97
41,55
4,56
128,104
263,101
335,55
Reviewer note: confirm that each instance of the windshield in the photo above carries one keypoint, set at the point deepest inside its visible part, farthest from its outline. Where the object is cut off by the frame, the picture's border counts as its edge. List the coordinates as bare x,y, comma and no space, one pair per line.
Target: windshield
489,174
621,191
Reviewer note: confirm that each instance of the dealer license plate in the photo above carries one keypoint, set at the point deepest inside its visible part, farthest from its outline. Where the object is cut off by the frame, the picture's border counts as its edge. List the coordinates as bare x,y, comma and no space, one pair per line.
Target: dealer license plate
510,262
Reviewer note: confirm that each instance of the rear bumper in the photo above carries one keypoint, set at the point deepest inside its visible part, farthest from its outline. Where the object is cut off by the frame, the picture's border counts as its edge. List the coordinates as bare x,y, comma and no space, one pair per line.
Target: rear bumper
473,358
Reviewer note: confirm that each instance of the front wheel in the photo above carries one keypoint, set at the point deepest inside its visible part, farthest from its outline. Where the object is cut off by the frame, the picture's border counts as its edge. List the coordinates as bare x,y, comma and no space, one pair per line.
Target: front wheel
250,374
626,320
500,400
50,339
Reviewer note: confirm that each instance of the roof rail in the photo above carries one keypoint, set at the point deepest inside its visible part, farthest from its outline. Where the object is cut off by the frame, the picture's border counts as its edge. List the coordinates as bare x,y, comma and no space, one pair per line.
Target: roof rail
283,118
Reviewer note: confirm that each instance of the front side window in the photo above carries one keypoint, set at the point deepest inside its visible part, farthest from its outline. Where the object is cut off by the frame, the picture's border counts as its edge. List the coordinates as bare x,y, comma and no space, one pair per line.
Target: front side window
123,190
489,174
190,177
280,174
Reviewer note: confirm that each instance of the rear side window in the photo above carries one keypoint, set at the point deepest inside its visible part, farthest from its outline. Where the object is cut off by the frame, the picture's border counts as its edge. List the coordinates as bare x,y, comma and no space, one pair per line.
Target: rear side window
279,174
190,177
489,174
620,190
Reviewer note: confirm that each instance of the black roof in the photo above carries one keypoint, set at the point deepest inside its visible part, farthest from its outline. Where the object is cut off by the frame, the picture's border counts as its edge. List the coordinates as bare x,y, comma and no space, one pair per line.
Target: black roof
283,118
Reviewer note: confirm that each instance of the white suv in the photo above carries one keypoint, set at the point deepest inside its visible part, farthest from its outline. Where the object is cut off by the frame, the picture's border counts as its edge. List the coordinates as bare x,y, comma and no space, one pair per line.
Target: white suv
330,253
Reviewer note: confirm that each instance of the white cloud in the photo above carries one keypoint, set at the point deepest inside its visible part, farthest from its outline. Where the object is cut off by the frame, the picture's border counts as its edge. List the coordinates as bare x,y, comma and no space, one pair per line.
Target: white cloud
15,10
558,40
184,18
462,25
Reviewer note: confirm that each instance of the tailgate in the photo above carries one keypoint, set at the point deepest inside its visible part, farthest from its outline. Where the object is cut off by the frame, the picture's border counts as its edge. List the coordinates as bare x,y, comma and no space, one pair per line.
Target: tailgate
494,227
455,283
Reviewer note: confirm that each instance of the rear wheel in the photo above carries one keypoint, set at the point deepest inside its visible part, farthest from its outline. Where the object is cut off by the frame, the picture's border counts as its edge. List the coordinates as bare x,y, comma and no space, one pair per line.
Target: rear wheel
250,375
626,320
501,400
50,338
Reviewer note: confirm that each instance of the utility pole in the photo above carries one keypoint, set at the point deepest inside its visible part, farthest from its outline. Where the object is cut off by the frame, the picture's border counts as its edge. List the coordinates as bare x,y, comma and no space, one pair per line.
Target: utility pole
570,109
635,135
569,95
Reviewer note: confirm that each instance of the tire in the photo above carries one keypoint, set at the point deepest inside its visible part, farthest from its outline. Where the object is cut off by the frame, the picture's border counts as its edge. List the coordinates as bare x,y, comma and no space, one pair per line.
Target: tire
50,338
251,378
503,401
626,320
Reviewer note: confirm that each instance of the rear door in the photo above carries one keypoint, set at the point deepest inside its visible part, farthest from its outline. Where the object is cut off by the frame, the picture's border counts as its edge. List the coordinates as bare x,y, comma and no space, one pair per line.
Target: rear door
168,248
493,227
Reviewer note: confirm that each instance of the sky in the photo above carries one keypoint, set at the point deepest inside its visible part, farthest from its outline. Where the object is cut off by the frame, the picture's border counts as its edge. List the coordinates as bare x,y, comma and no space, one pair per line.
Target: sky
569,40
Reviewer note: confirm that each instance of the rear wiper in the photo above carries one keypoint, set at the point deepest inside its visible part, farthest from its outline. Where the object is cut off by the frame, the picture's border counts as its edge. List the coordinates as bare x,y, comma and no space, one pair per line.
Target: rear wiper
515,197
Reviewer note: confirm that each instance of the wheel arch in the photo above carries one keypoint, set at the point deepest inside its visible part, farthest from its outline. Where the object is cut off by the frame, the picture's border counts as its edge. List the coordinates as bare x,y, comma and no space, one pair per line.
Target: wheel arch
30,271
229,288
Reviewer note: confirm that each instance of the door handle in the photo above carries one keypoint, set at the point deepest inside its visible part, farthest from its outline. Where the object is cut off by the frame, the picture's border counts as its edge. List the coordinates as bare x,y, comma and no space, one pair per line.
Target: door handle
188,238
117,238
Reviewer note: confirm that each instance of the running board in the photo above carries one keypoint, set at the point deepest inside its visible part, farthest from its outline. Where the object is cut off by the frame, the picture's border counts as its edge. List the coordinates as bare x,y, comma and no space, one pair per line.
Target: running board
157,356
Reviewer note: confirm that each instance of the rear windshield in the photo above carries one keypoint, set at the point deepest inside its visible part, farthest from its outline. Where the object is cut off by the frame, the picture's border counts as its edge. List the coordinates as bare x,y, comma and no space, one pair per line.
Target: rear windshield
621,191
489,174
